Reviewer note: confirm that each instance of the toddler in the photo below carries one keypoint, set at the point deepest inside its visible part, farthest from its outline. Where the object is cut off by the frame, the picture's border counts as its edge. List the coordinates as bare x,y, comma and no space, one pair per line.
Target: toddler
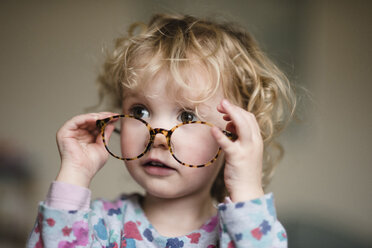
199,105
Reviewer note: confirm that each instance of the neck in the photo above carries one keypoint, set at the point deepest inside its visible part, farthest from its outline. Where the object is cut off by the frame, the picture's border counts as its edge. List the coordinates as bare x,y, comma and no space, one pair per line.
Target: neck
178,216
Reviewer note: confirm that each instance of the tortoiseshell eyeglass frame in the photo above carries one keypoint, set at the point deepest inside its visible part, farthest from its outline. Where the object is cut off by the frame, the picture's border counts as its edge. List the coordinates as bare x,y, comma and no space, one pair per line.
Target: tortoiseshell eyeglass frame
102,123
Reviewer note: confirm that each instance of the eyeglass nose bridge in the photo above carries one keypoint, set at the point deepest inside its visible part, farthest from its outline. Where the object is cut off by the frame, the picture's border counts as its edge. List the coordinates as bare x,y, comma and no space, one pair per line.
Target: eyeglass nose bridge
166,133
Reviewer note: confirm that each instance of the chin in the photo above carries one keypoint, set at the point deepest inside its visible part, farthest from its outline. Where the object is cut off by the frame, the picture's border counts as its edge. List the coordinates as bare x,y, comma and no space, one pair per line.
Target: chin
165,189
164,195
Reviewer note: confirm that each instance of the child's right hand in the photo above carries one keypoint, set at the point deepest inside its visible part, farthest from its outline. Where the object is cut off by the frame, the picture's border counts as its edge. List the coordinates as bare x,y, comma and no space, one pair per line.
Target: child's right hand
81,148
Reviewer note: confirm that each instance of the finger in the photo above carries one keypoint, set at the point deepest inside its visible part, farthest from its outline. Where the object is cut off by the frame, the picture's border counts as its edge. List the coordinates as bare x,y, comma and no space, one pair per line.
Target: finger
224,142
109,127
220,108
226,118
231,127
87,120
255,128
98,116
237,116
108,131
81,124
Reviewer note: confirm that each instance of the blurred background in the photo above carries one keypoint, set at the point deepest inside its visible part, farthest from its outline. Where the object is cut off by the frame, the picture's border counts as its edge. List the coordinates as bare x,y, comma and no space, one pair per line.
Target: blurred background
51,53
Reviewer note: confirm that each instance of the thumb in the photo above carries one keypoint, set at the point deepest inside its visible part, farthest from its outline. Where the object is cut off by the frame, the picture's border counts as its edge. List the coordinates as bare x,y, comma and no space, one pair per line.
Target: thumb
224,142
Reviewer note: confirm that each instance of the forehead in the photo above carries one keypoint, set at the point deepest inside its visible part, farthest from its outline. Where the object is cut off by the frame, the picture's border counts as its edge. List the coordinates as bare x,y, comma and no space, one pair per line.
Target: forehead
190,82
163,91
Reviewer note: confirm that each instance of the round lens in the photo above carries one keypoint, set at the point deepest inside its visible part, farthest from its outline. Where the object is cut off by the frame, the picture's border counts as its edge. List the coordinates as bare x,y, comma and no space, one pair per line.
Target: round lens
130,138
193,144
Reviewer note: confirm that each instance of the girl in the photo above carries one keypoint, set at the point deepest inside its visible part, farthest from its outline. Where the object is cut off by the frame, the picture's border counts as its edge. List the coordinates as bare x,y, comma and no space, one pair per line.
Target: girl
201,105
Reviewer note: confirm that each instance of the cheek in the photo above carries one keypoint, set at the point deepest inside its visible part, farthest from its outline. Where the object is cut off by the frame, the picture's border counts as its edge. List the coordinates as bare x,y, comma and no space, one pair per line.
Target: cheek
206,175
133,168
195,146
134,138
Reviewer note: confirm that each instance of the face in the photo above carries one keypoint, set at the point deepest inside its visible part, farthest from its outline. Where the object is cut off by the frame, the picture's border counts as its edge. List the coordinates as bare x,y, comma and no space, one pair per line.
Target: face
157,171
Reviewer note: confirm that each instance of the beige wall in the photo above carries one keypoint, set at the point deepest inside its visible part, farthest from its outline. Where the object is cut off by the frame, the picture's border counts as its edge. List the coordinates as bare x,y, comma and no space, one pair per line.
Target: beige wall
326,175
51,53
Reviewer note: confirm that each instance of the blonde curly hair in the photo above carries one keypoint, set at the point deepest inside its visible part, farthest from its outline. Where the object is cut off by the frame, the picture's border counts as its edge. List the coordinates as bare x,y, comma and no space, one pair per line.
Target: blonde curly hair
247,77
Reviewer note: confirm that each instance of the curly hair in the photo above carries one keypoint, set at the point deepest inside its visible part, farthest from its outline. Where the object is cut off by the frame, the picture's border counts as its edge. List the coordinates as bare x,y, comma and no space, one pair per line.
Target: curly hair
245,74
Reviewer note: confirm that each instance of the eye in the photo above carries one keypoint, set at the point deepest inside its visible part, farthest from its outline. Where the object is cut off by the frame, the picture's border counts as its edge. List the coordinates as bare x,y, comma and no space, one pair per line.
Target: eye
139,111
186,116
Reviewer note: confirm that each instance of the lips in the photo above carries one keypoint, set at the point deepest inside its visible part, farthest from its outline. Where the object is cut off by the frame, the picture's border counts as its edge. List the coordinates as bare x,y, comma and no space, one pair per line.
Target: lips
157,164
157,168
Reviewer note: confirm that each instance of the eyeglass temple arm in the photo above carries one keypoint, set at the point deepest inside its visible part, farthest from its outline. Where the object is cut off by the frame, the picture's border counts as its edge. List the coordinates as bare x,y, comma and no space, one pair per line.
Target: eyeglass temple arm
230,135
101,123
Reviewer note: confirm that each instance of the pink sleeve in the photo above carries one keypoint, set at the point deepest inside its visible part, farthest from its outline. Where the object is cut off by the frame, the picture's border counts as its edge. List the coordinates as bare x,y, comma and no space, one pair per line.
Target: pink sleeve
68,196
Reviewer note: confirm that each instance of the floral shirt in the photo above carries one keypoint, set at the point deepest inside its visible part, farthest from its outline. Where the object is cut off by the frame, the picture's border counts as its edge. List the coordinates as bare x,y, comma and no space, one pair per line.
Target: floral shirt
66,220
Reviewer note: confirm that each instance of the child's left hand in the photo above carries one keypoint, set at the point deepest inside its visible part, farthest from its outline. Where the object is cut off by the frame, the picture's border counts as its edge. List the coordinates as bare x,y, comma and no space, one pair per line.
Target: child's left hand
243,157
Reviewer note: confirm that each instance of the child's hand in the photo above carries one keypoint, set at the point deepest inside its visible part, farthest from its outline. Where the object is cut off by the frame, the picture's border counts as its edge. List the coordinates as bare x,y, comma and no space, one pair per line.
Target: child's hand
81,148
243,167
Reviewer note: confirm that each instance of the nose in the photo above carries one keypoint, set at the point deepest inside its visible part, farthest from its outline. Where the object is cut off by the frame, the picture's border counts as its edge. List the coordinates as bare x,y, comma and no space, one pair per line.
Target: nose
160,139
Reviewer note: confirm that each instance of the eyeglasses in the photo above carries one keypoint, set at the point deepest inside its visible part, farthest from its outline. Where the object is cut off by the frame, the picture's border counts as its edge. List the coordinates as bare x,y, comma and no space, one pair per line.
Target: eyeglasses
190,143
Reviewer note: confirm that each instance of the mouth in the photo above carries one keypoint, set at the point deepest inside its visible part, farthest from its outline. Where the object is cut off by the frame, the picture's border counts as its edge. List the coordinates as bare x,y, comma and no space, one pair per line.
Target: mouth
157,164
157,168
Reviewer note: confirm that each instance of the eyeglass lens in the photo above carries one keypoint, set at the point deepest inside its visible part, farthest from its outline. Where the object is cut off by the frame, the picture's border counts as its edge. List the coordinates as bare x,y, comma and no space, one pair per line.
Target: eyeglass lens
192,144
